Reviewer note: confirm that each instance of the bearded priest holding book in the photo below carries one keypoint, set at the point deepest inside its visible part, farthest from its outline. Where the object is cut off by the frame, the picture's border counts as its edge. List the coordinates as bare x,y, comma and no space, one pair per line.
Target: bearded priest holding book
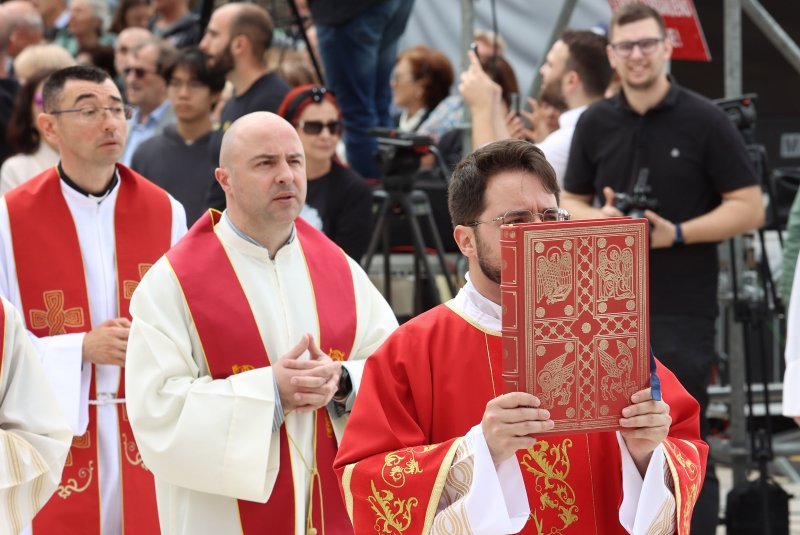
432,444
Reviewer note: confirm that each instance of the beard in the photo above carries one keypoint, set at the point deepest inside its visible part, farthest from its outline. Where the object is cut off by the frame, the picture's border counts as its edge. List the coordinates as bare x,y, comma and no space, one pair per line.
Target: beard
490,269
551,94
222,62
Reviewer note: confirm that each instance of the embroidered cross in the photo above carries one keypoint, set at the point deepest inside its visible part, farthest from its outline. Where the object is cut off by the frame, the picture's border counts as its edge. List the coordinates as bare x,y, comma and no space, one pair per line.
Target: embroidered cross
55,317
236,368
128,287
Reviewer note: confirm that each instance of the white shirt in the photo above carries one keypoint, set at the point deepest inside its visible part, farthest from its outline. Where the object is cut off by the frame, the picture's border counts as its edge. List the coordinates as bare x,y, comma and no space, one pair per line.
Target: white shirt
210,441
61,355
556,145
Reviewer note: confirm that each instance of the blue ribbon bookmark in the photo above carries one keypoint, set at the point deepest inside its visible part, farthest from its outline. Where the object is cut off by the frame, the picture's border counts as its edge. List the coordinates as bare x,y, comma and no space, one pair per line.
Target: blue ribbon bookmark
655,382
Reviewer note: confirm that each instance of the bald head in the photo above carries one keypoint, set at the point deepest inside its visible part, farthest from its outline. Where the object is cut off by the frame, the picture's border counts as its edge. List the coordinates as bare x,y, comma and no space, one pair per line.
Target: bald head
263,174
260,125
127,41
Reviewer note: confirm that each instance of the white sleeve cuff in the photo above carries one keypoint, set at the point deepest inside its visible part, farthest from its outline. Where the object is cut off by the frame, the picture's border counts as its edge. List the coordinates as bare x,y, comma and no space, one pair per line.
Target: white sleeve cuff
62,359
642,499
497,502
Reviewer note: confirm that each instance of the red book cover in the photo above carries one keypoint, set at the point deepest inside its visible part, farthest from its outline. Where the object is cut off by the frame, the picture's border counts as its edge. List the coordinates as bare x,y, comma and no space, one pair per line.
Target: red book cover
575,317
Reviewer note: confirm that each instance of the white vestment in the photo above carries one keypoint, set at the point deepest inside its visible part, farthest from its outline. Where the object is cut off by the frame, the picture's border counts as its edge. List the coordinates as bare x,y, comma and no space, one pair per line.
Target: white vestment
34,436
61,355
210,442
497,502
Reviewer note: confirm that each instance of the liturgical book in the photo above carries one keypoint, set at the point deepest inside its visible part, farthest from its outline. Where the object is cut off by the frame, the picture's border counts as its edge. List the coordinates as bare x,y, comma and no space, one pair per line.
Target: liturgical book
575,317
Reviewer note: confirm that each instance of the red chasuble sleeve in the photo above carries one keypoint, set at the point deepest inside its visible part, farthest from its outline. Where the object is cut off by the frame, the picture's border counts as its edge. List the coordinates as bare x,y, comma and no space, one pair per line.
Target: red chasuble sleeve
685,452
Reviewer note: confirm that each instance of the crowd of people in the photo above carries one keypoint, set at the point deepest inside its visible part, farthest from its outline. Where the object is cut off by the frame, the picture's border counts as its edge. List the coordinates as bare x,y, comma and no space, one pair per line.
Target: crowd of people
219,371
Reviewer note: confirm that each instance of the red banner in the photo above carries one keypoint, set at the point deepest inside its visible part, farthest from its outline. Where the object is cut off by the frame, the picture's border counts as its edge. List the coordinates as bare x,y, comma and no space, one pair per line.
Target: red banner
683,26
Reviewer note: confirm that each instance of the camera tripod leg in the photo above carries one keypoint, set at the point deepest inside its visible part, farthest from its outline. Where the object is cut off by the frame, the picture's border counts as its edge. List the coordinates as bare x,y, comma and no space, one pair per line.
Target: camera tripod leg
381,230
437,242
419,254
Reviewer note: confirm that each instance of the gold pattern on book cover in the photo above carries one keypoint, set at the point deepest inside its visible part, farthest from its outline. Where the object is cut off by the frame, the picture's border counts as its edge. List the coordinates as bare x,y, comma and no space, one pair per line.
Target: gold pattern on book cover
585,305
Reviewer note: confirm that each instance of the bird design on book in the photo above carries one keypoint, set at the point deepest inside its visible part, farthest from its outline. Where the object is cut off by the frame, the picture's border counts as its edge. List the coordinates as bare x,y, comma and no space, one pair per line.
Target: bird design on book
554,275
556,379
618,370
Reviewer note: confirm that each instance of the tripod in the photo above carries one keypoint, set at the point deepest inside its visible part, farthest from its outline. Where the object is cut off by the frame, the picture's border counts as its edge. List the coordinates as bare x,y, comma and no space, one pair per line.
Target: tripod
413,206
753,312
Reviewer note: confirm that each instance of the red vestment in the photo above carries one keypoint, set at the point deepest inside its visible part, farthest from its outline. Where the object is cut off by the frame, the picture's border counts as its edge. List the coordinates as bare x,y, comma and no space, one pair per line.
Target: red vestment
429,385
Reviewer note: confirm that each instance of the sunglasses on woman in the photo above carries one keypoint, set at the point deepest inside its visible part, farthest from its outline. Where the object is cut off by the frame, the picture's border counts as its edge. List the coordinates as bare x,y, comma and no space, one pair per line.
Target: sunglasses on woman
314,128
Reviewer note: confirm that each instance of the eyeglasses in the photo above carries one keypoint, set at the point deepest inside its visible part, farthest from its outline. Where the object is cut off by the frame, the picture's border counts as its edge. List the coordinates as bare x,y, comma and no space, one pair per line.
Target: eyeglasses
314,128
138,72
647,46
92,114
519,217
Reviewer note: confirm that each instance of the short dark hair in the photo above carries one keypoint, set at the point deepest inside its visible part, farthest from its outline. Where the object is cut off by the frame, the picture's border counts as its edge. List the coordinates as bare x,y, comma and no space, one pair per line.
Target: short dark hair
196,62
634,13
54,85
254,22
465,193
587,57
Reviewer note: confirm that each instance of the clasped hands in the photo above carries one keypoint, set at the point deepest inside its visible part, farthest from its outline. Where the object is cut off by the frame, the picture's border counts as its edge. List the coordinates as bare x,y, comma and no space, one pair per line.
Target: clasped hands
306,385
510,420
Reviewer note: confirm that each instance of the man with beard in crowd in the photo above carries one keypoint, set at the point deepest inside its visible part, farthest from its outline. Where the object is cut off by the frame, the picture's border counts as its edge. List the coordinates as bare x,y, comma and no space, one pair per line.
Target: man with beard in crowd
236,40
576,72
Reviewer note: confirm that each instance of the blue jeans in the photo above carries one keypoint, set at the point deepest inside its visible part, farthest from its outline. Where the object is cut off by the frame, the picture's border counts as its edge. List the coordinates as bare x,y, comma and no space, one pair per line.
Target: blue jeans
359,56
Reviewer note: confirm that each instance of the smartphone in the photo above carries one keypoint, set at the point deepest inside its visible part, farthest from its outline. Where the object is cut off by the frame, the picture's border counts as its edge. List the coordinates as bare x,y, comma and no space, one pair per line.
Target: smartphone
513,103
474,48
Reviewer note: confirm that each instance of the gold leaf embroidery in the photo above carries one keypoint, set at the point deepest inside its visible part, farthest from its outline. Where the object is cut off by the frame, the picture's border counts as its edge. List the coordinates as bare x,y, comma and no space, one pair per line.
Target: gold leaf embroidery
64,491
551,465
399,464
132,454
393,514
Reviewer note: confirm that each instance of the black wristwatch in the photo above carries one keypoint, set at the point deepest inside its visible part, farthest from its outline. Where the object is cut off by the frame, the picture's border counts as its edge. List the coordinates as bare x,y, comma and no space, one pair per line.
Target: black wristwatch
678,236
345,386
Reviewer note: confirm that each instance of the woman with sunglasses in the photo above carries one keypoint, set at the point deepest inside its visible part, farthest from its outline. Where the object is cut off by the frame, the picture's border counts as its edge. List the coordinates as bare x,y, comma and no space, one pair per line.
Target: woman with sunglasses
33,154
339,201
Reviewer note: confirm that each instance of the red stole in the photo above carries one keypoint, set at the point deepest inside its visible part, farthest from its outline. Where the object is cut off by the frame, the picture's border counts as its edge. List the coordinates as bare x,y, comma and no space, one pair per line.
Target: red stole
429,383
55,301
232,344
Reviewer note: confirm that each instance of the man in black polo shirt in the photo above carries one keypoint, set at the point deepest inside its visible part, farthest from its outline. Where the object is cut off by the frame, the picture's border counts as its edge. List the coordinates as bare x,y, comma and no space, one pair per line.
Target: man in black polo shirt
705,185
236,39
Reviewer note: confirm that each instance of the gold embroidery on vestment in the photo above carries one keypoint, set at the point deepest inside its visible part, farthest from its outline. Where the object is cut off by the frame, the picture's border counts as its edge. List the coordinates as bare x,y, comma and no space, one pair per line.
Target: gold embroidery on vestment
399,464
551,465
64,491
129,286
54,317
239,368
392,513
132,454
336,354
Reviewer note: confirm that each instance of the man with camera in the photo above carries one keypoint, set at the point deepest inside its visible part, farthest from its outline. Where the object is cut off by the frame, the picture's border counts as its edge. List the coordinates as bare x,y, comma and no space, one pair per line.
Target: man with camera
698,171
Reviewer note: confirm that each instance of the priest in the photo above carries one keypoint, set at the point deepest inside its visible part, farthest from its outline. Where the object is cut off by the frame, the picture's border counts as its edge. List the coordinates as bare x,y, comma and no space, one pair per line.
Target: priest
34,436
74,243
432,444
246,351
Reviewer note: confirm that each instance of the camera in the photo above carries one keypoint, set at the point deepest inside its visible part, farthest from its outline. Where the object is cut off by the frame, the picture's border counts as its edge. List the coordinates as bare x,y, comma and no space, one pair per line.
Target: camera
634,204
398,157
